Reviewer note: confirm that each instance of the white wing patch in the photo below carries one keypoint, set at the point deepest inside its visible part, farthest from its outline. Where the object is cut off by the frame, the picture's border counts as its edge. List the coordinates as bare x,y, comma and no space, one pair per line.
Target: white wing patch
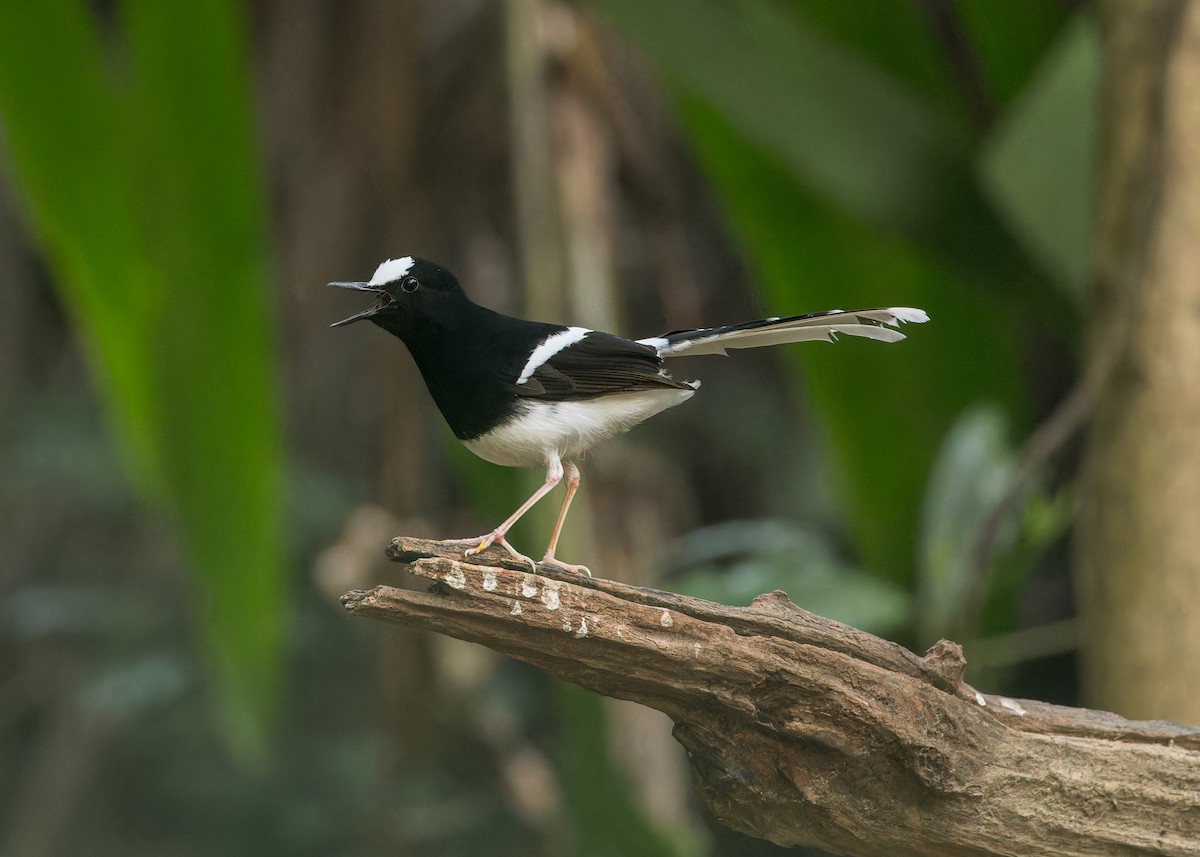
550,346
391,270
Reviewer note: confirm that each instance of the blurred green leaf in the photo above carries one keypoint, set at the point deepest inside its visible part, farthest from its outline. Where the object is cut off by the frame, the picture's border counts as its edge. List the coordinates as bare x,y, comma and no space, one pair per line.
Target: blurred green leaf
63,133
135,155
123,691
1041,521
972,475
49,610
814,105
1008,40
897,37
848,188
883,410
842,127
968,58
608,820
1038,164
972,472
734,562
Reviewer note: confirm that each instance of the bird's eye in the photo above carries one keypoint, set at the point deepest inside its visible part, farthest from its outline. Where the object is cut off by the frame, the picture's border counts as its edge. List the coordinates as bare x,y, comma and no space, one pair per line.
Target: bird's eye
409,284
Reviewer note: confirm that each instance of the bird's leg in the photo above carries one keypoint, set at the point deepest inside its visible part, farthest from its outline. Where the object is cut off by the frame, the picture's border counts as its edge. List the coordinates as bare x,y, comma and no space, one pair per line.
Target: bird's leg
572,474
554,475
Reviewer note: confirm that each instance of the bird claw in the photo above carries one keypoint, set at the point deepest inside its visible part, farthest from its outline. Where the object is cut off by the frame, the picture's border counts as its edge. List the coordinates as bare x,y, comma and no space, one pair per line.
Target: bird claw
484,542
566,566
479,548
517,555
495,539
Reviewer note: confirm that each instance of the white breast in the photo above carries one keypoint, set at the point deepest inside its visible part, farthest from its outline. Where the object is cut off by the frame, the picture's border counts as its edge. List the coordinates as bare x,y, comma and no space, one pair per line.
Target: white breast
545,430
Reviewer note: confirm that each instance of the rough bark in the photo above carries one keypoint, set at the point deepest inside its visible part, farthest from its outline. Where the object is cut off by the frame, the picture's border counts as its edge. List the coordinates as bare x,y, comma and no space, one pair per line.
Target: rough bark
805,731
1138,545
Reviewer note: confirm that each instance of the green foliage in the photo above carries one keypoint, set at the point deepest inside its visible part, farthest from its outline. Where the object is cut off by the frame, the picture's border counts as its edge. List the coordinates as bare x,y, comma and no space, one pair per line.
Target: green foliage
1009,40
968,585
896,38
855,134
734,562
608,821
844,149
1038,164
132,144
971,475
882,411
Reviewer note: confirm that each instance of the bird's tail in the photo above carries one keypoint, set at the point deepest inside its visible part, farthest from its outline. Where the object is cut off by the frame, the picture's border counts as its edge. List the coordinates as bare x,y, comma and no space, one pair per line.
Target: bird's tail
821,326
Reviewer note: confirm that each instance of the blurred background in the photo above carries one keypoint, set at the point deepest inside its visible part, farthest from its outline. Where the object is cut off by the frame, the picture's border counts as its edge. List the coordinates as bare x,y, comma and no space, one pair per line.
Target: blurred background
193,466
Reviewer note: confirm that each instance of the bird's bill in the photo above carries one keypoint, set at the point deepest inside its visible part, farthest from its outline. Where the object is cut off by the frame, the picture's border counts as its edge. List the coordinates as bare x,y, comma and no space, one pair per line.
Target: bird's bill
367,313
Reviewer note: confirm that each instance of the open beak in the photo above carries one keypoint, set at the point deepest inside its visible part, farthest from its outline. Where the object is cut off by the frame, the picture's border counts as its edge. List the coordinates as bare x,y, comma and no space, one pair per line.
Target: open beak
383,301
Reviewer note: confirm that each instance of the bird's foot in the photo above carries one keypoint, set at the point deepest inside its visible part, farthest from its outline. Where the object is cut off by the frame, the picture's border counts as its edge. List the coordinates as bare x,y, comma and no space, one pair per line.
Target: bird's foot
516,554
549,560
495,538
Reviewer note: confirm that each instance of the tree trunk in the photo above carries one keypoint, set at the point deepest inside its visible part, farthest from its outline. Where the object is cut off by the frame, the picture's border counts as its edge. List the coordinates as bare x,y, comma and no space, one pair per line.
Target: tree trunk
1138,542
804,731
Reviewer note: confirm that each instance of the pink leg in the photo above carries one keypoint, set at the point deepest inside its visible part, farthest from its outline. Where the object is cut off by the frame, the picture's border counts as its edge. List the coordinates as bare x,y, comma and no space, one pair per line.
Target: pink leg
572,474
554,475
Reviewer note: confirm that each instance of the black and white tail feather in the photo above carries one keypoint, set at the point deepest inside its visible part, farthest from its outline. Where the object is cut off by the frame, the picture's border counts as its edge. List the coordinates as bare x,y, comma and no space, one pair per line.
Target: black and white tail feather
818,326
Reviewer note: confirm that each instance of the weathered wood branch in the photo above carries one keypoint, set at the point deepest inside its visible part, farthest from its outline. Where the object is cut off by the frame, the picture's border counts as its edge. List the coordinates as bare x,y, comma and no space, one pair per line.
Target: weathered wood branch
805,731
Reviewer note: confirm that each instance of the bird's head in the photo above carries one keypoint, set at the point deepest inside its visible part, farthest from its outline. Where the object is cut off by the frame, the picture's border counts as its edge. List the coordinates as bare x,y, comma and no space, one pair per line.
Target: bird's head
405,289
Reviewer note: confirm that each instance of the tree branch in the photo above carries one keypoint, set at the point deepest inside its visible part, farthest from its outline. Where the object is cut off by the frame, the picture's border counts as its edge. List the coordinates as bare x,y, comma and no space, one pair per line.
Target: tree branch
805,731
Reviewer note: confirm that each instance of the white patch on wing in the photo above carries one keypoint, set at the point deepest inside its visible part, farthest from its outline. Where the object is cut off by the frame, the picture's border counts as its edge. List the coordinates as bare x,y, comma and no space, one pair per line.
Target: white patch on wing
542,431
550,346
655,342
391,270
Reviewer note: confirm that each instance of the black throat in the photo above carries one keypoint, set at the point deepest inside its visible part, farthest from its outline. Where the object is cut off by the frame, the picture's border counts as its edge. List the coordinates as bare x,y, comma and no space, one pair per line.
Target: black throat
469,356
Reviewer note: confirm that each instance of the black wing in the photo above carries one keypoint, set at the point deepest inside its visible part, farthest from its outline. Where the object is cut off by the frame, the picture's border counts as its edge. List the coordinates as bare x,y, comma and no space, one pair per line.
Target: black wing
598,364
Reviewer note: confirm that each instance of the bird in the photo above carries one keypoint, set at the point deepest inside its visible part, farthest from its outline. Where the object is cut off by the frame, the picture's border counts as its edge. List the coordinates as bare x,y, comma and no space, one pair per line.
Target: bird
521,393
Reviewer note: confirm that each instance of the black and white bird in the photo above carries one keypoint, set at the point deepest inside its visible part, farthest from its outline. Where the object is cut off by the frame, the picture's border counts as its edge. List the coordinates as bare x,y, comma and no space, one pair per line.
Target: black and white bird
526,394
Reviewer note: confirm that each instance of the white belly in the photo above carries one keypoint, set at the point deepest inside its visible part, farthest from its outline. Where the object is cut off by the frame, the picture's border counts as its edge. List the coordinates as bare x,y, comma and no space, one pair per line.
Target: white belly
547,430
